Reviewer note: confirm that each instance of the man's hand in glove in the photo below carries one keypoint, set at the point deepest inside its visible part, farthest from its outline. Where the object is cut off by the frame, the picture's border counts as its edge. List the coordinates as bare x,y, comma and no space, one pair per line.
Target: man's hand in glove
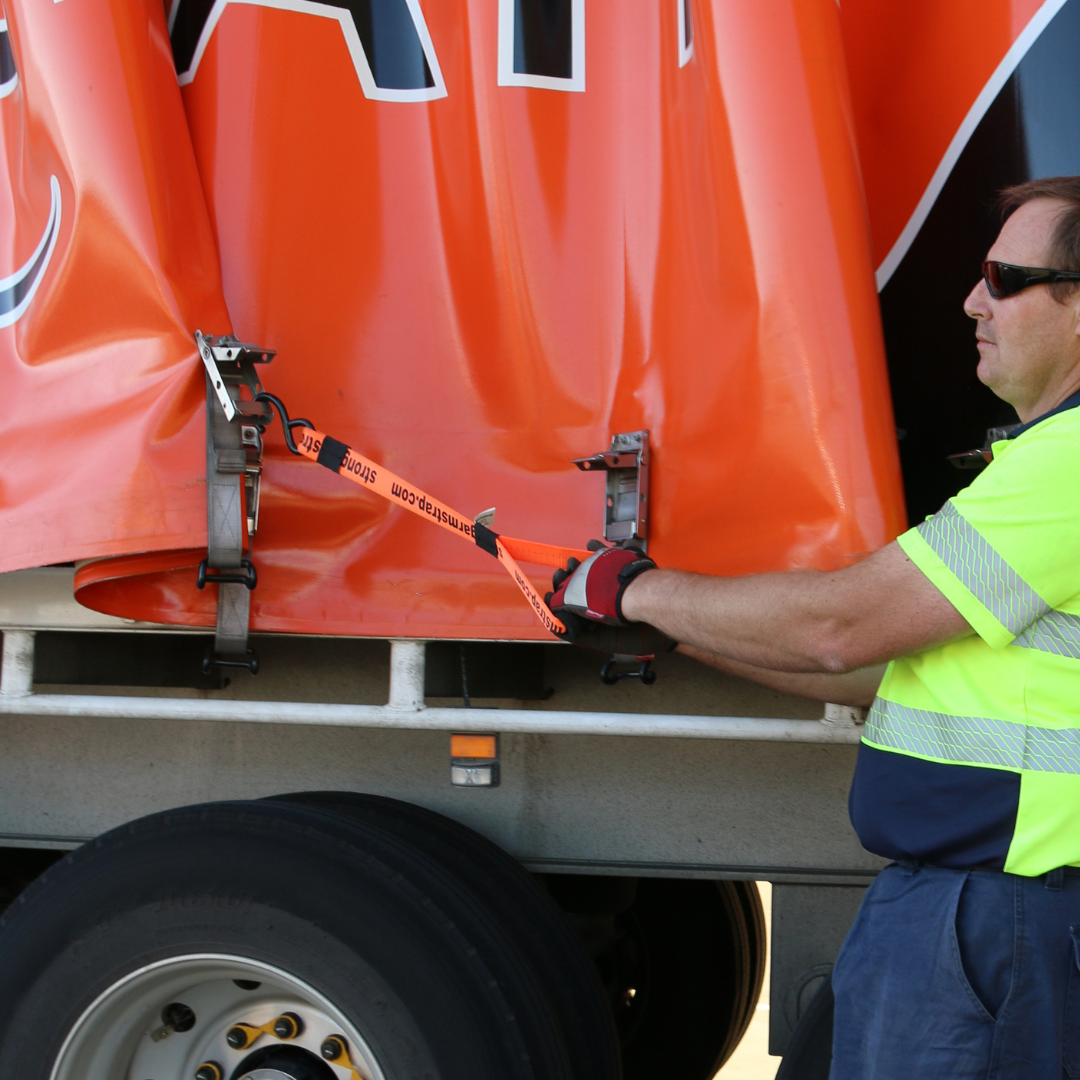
587,596
593,589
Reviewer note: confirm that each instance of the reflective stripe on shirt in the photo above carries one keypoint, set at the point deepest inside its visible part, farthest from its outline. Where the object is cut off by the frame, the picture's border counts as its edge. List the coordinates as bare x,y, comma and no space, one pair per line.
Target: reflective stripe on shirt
972,740
1056,632
996,585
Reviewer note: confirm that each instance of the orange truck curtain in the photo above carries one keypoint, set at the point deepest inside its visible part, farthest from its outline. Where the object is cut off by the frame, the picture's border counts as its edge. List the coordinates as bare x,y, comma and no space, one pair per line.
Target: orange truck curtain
482,239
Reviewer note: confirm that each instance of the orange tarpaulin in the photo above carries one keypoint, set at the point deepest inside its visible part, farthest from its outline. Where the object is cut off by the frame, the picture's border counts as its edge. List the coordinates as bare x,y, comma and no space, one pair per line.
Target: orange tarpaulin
471,282
916,69
101,420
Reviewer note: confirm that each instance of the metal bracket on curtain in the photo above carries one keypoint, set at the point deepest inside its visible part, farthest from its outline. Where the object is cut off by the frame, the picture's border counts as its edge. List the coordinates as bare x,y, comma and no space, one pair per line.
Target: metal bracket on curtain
234,447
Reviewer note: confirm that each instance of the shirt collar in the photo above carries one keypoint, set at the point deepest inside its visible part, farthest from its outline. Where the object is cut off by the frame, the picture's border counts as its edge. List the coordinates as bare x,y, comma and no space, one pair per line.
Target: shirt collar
1069,403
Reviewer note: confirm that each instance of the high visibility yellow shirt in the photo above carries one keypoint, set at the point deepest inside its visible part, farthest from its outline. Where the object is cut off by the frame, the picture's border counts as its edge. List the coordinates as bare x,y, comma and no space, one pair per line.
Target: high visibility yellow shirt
978,740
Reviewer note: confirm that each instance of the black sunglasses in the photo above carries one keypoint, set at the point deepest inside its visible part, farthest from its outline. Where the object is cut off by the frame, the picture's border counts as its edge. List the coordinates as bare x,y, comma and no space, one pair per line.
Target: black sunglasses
1003,279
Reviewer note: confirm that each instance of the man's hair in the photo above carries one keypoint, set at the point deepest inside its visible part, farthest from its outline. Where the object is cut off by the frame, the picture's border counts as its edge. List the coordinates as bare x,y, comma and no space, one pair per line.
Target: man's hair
1064,251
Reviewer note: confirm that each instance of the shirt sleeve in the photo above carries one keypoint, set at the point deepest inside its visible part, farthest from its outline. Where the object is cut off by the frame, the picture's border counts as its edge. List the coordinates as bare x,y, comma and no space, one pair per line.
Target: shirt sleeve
1006,550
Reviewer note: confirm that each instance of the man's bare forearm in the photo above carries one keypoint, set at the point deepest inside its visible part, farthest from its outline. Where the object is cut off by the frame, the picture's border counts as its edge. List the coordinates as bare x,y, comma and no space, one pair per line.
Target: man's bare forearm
857,687
774,621
801,621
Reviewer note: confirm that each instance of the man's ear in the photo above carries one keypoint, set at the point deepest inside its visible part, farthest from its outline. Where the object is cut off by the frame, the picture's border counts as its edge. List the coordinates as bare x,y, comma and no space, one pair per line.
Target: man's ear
1073,303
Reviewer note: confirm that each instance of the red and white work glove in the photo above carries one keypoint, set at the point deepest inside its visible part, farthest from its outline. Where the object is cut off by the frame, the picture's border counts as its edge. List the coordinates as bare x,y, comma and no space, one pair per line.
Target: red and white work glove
594,589
587,598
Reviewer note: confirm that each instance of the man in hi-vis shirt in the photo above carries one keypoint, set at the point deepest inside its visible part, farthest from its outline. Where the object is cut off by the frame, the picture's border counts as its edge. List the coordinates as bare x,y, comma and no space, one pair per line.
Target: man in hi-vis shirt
964,960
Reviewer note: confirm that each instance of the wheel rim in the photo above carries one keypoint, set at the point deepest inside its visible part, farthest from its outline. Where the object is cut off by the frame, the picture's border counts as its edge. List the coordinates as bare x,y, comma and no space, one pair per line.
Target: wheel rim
130,1031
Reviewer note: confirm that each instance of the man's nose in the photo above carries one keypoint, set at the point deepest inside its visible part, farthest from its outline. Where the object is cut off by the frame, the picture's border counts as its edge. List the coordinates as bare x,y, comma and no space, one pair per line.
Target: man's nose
977,304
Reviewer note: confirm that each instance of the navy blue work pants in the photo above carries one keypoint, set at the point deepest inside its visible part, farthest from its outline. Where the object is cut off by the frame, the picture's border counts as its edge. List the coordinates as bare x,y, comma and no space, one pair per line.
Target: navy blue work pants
957,974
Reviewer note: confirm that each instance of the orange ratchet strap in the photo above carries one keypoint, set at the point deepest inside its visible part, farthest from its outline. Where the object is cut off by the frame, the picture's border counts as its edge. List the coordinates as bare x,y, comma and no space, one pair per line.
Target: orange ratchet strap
347,462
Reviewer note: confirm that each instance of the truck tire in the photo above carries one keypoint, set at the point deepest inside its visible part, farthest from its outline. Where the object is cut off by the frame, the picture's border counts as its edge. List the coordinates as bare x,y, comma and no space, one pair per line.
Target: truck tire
685,974
144,952
527,913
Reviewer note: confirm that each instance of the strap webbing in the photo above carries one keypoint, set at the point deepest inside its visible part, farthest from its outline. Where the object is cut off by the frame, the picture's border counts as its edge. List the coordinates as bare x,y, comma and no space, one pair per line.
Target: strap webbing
226,522
347,462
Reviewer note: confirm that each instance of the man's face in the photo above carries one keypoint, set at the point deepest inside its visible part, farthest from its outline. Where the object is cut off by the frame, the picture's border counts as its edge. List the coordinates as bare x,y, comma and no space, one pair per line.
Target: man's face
1029,344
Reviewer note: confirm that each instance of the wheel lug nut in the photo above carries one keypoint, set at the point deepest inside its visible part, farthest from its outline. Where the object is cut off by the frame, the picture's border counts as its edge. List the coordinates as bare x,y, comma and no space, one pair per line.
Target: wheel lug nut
238,1037
209,1070
288,1026
333,1047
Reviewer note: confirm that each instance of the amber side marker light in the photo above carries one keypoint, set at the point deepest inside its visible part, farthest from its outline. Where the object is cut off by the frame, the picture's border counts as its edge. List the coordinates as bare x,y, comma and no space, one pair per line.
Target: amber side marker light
474,760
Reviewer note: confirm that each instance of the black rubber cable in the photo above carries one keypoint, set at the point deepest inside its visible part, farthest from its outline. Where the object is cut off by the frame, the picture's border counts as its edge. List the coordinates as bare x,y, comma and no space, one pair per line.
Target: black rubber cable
286,424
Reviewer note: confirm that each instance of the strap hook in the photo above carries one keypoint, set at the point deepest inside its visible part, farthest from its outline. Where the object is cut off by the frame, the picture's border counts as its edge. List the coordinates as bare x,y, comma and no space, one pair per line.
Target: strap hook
610,676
